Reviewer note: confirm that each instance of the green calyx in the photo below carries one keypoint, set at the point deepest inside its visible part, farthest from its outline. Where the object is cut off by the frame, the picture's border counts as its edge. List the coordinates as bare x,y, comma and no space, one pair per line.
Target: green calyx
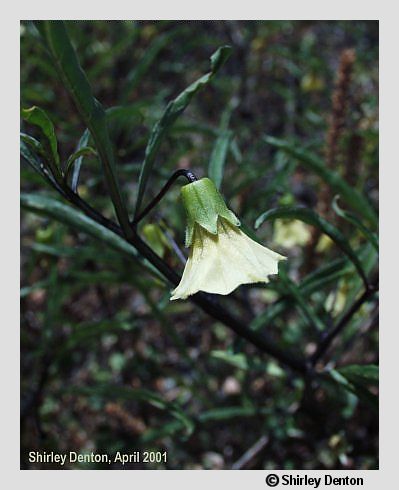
204,205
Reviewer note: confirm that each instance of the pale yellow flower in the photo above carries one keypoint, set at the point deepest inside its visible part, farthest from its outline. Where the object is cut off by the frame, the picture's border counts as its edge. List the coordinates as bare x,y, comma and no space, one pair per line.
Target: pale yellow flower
289,233
219,263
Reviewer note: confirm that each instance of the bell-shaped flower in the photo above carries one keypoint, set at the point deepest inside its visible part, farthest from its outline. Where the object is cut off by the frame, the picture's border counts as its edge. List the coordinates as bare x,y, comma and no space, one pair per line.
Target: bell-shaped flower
221,255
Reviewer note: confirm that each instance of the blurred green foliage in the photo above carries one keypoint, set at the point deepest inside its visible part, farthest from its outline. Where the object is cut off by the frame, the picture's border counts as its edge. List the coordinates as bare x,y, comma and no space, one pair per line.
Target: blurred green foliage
107,362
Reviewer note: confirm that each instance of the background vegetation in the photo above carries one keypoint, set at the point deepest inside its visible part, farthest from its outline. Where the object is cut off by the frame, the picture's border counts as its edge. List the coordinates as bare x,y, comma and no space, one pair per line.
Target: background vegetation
287,123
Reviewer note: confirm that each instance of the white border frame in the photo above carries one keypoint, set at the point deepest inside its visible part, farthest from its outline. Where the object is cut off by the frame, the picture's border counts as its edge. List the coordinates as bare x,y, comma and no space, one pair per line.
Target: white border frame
249,10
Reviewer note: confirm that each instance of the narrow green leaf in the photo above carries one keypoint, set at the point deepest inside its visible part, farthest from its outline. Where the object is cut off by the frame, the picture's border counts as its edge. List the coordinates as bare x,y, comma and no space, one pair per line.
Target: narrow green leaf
315,281
91,111
308,216
172,112
269,314
219,57
220,149
246,363
353,386
30,157
83,333
135,76
83,142
35,162
56,251
322,277
363,374
83,253
213,415
328,273
226,413
32,142
239,361
128,32
71,217
39,118
353,197
351,218
78,156
218,157
168,429
25,291
297,294
127,115
107,392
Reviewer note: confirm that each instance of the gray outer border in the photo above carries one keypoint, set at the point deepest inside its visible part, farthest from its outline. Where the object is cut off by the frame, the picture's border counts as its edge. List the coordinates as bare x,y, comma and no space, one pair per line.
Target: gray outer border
251,9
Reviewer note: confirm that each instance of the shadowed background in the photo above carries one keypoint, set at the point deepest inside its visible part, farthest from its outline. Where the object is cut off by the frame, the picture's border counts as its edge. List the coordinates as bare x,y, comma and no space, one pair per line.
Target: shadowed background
107,362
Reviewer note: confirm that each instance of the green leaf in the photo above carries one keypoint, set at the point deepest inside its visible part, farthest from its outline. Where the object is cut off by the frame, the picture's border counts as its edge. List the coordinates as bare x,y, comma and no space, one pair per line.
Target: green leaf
25,291
297,294
90,110
34,161
362,374
310,217
78,156
69,216
328,273
353,198
353,385
125,116
32,142
219,58
30,157
246,363
128,32
219,152
269,314
239,361
135,76
84,253
165,430
226,413
351,218
114,392
315,281
218,157
83,142
213,415
173,110
39,118
83,333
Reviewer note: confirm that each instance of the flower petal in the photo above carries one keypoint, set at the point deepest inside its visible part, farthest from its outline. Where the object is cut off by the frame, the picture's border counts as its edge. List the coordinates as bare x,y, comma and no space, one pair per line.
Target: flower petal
220,263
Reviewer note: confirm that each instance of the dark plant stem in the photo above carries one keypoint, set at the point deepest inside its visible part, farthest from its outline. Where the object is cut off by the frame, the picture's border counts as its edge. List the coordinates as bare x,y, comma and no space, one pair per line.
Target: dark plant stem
206,302
210,305
179,173
330,336
91,111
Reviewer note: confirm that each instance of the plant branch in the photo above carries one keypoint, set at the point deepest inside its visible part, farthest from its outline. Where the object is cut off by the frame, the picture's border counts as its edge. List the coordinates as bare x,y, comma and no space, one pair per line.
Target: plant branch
330,336
91,111
206,302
